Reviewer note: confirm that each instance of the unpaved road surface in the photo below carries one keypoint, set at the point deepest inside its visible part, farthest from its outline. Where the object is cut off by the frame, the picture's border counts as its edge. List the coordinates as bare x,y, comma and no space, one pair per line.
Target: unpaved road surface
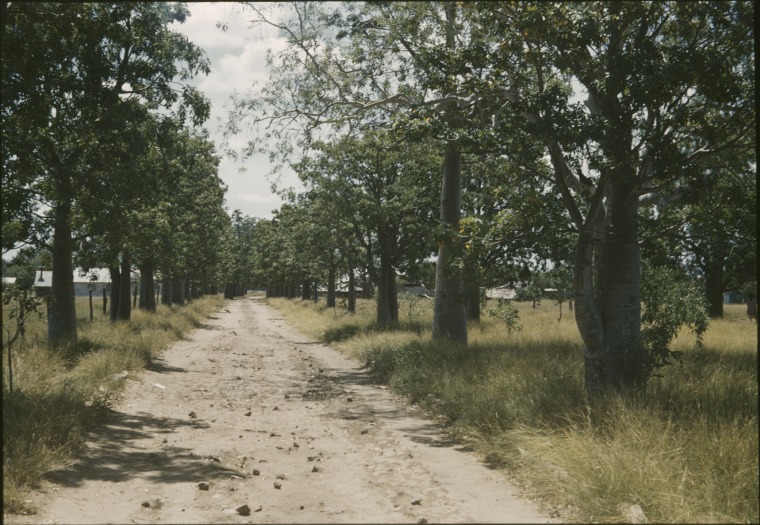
248,412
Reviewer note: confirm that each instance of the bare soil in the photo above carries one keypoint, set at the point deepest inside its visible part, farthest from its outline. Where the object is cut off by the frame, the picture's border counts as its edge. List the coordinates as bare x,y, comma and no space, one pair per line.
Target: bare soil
248,421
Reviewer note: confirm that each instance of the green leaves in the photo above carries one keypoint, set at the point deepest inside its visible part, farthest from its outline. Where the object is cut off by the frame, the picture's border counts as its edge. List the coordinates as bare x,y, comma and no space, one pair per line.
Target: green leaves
670,302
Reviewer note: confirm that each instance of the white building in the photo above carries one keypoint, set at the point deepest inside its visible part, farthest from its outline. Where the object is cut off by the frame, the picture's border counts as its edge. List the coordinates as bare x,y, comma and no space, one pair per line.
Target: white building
96,279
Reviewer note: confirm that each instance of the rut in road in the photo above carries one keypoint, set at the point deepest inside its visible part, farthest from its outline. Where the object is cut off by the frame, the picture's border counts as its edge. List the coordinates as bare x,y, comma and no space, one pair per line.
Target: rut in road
247,421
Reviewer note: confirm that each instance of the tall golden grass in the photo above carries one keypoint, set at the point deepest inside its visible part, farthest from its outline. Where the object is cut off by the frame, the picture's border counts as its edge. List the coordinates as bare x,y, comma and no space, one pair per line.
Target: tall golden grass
685,450
58,393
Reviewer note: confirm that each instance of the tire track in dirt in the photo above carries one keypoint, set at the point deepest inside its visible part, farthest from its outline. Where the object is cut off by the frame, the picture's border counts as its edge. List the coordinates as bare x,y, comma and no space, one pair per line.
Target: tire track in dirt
260,416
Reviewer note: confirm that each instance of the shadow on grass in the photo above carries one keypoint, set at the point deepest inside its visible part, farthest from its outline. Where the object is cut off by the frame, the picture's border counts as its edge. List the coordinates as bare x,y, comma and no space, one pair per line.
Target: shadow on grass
73,352
349,330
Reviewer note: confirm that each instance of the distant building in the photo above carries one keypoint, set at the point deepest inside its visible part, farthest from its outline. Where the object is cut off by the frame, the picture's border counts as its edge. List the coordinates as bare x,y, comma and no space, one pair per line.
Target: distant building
503,292
96,279
43,282
413,289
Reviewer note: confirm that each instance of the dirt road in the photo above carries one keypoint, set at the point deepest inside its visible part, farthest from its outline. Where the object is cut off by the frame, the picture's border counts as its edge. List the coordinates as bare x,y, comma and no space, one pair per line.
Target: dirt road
249,413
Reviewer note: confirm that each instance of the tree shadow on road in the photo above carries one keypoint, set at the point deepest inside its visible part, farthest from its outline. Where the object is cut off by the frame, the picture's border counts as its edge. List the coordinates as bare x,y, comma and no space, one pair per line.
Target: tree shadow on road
159,365
114,452
373,404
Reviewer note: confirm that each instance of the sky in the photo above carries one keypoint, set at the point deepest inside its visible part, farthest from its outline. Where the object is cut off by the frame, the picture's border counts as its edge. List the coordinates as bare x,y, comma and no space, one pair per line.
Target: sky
237,58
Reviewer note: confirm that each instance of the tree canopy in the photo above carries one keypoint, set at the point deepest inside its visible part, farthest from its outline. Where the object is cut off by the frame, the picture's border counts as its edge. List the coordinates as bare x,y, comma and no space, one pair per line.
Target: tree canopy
612,119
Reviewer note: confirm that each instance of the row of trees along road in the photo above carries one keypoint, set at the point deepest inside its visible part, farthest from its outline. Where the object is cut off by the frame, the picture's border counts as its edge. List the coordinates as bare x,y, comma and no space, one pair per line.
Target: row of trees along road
592,135
103,160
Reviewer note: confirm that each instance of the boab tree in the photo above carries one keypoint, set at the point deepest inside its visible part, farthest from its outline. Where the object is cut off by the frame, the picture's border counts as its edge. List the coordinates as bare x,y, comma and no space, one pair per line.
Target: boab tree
668,89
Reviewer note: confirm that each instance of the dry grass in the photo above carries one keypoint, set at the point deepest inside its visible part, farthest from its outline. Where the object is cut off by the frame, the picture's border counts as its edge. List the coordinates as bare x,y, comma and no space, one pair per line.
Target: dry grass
57,394
684,451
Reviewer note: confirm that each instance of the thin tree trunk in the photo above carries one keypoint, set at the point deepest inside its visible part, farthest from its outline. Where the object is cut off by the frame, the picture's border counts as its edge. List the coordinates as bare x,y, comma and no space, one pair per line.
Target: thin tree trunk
331,286
384,315
115,291
392,295
351,291
125,303
166,291
141,300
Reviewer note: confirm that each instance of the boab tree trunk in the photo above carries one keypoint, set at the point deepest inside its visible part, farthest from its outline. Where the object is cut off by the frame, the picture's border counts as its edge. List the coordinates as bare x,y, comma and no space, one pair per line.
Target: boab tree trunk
62,317
449,316
608,304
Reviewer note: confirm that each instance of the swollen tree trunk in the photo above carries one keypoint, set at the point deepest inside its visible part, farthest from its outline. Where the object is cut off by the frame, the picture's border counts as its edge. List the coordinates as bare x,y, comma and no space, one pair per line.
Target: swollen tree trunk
62,316
449,315
305,290
608,307
125,292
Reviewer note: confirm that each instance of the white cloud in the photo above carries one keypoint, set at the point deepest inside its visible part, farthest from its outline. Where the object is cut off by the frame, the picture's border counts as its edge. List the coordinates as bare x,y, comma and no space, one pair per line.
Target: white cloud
238,59
258,198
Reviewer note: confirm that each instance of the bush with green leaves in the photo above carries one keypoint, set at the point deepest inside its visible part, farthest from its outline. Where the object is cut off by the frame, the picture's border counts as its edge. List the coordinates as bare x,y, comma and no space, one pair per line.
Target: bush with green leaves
507,313
670,302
